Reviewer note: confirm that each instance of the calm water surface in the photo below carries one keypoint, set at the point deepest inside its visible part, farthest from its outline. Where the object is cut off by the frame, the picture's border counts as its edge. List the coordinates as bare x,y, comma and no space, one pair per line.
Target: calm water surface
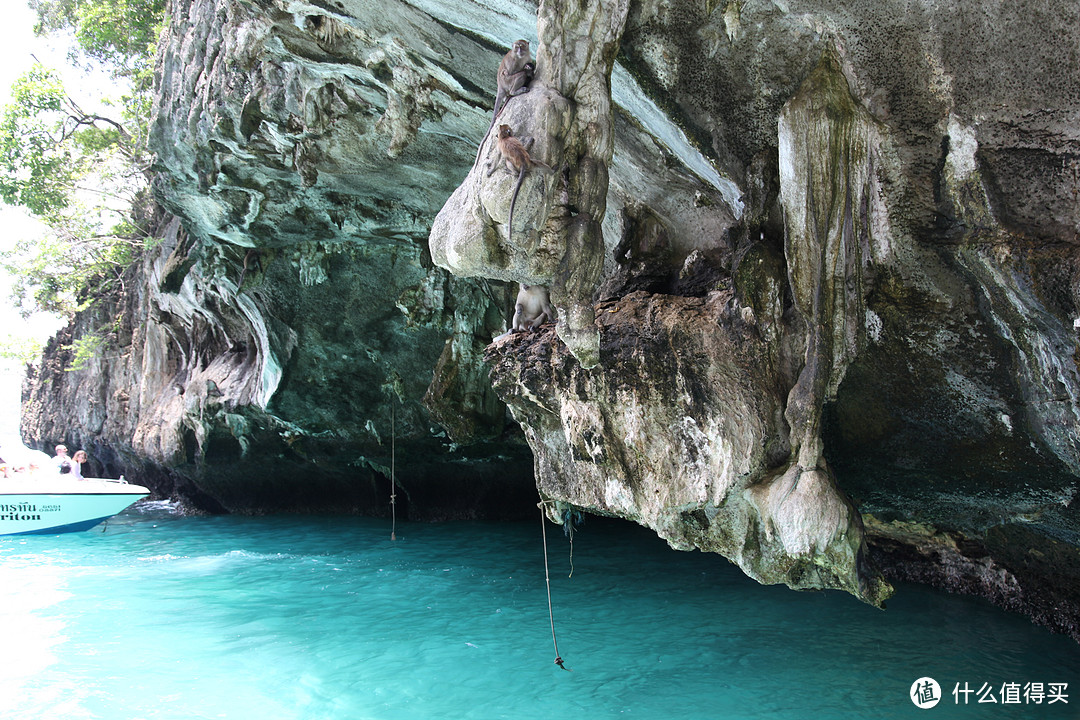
286,618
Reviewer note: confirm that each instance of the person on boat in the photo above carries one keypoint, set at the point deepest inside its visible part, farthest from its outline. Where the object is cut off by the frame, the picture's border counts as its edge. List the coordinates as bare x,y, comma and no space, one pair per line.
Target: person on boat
77,460
61,459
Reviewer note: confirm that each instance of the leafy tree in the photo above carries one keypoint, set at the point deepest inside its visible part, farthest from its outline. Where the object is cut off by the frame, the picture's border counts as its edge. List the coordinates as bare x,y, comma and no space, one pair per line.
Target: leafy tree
36,171
80,175
20,348
84,174
116,32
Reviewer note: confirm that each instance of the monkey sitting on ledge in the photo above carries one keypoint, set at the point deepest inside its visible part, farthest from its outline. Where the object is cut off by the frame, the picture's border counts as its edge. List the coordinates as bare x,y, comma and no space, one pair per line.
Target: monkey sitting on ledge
531,310
512,79
513,76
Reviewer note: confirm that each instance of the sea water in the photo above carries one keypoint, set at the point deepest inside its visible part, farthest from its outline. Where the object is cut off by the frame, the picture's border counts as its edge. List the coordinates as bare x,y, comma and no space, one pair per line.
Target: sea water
283,618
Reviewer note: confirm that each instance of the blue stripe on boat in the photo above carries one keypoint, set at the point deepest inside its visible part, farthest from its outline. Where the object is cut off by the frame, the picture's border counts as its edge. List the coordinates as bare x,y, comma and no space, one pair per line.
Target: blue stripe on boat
70,527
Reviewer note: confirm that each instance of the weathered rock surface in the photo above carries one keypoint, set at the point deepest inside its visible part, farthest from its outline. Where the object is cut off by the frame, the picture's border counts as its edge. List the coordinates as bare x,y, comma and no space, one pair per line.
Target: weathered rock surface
251,402
835,266
568,111
681,428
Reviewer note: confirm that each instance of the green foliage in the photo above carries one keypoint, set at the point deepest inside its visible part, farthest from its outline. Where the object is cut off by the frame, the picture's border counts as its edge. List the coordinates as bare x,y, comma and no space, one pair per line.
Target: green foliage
23,349
85,349
37,170
95,140
113,31
82,173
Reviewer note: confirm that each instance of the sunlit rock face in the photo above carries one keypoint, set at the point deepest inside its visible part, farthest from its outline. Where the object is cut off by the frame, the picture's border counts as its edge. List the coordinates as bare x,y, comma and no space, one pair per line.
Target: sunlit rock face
822,314
294,345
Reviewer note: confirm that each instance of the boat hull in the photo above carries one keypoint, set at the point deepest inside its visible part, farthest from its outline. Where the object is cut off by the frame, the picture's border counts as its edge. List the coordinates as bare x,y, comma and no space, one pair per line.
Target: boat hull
48,507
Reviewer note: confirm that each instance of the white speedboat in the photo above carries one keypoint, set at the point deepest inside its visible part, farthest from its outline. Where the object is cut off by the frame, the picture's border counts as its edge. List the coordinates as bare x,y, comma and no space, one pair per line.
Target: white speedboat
48,504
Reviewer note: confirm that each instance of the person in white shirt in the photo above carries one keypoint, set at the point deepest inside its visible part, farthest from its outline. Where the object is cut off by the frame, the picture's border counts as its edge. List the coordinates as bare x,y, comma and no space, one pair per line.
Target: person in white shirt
61,459
76,464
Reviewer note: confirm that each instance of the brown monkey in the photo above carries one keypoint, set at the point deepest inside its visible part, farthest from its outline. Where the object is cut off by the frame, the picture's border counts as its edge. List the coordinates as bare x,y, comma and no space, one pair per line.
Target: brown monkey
532,309
515,155
515,72
512,78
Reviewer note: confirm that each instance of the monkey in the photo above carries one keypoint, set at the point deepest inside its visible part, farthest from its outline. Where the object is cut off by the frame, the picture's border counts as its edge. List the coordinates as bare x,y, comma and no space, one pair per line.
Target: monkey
515,155
531,309
515,72
512,79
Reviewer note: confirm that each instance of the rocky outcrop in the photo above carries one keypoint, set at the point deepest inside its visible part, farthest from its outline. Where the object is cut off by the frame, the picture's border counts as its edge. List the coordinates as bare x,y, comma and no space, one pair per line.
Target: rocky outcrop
988,565
811,262
781,518
290,328
230,401
681,428
568,111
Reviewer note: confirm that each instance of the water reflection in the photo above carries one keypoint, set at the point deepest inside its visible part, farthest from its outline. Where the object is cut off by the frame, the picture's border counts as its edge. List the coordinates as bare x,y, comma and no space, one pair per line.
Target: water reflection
33,632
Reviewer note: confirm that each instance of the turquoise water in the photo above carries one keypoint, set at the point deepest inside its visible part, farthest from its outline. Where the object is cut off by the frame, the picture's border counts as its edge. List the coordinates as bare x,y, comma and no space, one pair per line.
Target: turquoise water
286,618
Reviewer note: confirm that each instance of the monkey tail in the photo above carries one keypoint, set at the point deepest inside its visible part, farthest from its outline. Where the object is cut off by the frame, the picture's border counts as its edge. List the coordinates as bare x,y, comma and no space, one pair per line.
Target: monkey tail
482,141
500,103
513,201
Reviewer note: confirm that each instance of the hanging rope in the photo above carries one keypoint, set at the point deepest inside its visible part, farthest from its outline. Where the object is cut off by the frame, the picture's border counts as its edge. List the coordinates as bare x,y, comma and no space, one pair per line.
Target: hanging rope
547,579
571,552
569,522
393,476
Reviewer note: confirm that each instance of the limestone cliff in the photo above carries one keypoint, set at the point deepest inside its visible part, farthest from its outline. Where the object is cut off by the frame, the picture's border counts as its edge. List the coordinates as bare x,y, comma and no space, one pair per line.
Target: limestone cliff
815,267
